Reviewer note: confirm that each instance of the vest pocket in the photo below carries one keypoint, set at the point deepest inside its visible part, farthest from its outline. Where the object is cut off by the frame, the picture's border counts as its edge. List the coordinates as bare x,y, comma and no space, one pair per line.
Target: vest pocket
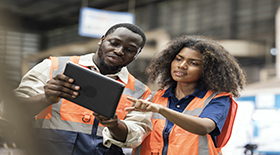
155,152
156,148
75,113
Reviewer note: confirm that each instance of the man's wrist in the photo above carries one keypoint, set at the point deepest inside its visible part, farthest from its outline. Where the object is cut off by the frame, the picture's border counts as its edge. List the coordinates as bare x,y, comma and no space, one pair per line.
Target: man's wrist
114,125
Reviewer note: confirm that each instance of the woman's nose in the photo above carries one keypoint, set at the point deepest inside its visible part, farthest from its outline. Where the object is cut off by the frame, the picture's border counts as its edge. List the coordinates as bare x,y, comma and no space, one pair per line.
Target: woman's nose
183,65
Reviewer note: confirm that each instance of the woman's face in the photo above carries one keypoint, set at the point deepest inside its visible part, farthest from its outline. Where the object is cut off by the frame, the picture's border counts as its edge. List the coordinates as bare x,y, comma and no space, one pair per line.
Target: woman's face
187,66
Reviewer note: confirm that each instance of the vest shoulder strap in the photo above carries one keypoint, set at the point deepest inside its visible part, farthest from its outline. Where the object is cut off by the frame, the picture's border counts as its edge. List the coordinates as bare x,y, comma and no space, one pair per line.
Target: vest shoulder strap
58,63
152,95
207,101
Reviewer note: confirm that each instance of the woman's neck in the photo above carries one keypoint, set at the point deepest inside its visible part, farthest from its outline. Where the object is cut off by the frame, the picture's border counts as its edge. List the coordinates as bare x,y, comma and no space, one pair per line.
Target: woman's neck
182,89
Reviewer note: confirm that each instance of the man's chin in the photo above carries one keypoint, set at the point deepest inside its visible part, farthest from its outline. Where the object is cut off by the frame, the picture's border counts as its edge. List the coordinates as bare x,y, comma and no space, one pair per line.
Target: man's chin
113,68
110,67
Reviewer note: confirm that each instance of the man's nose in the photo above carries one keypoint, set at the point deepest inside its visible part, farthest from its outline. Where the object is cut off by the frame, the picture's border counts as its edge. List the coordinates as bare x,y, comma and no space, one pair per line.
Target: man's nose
119,50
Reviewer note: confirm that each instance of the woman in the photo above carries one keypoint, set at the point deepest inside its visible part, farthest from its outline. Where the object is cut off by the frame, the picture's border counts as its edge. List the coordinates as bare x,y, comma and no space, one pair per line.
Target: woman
194,110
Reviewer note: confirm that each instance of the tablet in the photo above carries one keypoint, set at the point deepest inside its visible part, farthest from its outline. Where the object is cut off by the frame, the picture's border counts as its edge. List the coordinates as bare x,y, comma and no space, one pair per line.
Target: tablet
97,92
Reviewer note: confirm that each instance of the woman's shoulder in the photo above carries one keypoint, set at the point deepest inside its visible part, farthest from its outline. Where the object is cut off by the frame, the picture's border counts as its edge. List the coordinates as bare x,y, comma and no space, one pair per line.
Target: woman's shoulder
223,94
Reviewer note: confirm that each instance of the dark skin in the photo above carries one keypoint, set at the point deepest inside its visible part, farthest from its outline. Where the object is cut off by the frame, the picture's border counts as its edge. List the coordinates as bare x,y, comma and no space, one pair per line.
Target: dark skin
116,50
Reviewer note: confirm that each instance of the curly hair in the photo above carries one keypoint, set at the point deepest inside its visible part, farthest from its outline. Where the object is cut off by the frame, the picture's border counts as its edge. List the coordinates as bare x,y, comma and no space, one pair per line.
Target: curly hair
220,73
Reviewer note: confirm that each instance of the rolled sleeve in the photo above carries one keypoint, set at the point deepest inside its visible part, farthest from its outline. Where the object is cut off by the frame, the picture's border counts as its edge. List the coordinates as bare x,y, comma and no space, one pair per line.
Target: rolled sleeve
139,126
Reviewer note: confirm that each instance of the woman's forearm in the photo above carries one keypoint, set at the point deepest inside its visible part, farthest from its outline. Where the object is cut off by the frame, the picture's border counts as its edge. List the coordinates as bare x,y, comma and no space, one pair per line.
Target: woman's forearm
190,123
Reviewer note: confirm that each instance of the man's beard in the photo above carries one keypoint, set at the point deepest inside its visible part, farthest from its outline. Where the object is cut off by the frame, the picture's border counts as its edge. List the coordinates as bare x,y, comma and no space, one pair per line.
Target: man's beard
103,63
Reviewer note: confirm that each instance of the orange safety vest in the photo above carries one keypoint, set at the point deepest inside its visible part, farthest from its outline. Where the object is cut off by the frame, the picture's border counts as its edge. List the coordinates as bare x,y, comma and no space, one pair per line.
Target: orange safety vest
181,141
68,116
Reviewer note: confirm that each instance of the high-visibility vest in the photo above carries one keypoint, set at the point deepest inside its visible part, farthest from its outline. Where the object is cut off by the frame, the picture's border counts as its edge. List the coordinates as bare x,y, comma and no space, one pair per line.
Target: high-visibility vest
68,116
181,141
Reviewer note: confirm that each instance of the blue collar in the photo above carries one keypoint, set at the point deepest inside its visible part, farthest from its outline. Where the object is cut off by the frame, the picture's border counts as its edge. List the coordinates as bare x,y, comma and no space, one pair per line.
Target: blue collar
170,92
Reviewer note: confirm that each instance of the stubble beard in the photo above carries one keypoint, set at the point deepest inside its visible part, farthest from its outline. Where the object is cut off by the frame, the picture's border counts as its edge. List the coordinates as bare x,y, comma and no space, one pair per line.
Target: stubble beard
105,65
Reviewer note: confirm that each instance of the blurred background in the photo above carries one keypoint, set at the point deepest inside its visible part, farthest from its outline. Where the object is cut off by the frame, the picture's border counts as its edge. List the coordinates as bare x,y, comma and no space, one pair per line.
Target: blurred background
32,30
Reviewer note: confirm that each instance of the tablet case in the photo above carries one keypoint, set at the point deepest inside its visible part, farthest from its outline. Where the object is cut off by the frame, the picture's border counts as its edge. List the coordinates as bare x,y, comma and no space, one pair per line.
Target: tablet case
97,92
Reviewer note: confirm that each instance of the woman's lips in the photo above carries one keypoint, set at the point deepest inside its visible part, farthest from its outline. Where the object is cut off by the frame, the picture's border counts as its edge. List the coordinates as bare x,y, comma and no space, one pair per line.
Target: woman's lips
178,73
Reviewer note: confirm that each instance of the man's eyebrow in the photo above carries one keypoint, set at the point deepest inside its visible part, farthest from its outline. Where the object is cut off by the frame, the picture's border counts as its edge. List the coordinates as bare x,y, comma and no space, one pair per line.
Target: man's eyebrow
115,38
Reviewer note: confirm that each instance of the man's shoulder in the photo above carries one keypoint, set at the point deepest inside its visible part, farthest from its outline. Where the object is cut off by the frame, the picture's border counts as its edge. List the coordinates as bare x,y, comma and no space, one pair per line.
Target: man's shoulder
136,79
139,84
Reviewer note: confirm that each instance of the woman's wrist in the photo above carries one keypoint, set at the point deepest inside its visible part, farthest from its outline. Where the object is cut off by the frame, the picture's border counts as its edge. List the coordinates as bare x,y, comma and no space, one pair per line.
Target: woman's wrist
160,108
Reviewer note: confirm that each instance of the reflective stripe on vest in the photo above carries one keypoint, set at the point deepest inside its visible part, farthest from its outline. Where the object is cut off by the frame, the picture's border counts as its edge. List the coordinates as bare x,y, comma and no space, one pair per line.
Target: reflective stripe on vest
203,146
138,89
197,111
69,116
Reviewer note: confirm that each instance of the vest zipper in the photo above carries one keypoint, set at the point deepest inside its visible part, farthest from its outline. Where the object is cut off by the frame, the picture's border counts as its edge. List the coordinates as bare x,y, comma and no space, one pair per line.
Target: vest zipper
165,142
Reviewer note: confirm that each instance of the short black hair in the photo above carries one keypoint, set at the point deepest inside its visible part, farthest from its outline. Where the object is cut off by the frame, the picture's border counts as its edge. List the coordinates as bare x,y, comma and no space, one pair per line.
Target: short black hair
131,27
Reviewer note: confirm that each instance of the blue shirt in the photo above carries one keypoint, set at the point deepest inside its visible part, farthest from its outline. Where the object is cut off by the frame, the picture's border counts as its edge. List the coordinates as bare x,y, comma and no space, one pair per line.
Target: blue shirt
216,110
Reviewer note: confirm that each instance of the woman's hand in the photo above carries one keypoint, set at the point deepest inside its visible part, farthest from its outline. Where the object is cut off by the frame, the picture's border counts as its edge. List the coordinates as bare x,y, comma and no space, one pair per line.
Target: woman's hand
142,105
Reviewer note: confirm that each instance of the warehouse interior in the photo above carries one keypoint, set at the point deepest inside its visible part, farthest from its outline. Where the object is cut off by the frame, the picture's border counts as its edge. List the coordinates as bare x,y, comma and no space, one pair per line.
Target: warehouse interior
32,30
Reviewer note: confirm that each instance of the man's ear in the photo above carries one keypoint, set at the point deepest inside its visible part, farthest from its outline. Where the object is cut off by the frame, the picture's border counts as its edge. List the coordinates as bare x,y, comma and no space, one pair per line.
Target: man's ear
101,40
138,52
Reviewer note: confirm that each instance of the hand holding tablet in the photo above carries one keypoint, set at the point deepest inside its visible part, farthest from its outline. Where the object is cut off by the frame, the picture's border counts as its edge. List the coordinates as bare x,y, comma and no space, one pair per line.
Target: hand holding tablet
97,92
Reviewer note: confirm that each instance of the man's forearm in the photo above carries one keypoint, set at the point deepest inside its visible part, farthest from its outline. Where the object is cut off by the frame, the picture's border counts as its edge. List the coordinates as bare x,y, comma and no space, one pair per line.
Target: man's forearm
119,132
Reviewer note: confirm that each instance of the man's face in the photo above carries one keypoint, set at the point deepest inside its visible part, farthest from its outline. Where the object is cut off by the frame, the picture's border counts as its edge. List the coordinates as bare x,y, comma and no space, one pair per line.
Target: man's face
118,50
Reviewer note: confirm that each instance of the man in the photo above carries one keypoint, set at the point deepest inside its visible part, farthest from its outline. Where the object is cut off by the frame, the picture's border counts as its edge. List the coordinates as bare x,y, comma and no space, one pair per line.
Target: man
68,129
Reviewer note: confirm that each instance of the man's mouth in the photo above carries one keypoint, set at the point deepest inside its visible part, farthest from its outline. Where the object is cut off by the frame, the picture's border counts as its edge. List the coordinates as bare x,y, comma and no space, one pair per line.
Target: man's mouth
115,59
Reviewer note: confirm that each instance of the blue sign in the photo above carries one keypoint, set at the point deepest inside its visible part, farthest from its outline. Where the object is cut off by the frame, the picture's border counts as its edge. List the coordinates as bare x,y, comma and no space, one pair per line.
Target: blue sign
94,22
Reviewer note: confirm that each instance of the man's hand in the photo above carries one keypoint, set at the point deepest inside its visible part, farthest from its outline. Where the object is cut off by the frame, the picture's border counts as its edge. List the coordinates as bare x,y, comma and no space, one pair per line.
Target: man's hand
60,86
116,127
106,121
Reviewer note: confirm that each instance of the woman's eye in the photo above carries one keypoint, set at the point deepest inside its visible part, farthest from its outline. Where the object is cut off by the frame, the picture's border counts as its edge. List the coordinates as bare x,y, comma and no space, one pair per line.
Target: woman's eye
193,63
178,59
